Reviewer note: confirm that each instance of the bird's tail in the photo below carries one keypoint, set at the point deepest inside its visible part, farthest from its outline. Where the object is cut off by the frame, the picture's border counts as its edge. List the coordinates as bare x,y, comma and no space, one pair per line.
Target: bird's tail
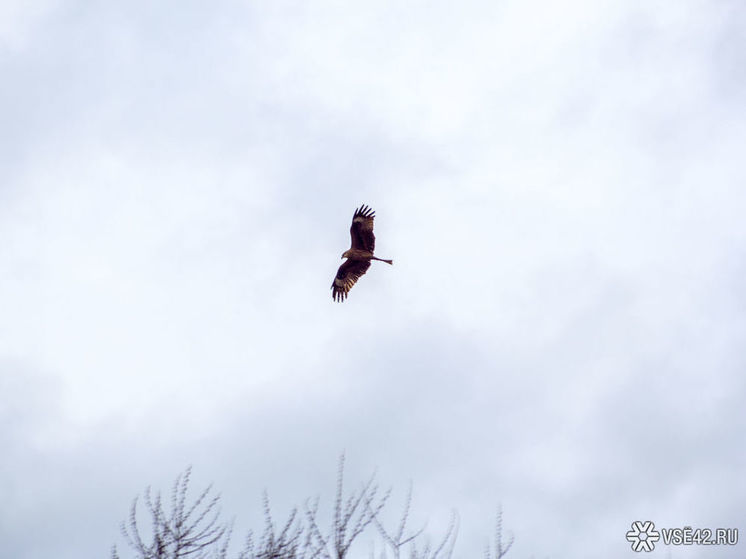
384,260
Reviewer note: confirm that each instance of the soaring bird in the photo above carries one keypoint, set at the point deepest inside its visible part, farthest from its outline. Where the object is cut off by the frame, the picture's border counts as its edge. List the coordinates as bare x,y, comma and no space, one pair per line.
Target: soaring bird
359,254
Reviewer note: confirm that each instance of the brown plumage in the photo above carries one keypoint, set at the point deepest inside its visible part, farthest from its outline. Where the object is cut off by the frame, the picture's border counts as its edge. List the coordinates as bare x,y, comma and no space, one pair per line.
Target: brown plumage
359,254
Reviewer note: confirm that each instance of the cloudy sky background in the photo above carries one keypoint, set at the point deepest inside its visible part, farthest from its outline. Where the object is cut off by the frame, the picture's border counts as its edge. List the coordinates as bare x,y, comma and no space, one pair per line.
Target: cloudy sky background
560,185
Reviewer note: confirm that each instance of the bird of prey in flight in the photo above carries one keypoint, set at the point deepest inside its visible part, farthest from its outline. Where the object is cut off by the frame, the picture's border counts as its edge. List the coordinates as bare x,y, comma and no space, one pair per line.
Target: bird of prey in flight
359,254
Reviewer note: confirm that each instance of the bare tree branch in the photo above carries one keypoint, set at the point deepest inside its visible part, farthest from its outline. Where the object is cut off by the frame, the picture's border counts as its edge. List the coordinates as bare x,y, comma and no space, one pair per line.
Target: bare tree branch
350,518
186,531
397,540
192,529
501,548
444,549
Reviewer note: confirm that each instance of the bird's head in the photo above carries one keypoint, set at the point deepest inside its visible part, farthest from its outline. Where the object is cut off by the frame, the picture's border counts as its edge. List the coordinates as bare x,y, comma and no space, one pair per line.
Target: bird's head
345,254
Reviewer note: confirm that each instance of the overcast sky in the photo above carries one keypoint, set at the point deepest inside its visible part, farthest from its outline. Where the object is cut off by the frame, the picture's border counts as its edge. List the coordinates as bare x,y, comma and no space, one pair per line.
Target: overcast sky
560,185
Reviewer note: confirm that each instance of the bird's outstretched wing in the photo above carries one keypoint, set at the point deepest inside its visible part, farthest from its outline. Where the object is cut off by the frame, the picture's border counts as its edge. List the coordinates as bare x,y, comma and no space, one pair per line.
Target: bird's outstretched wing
347,275
361,230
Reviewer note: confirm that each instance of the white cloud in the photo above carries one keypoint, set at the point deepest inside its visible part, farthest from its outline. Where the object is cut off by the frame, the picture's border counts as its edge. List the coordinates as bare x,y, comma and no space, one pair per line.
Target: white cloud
20,20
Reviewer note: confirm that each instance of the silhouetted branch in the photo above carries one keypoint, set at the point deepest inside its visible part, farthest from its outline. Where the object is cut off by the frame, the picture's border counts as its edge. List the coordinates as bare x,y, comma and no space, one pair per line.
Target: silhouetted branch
282,545
501,548
350,517
186,531
397,540
444,549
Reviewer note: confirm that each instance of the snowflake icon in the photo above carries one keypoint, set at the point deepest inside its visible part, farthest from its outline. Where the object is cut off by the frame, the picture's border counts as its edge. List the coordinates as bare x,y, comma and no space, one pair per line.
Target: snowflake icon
643,535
